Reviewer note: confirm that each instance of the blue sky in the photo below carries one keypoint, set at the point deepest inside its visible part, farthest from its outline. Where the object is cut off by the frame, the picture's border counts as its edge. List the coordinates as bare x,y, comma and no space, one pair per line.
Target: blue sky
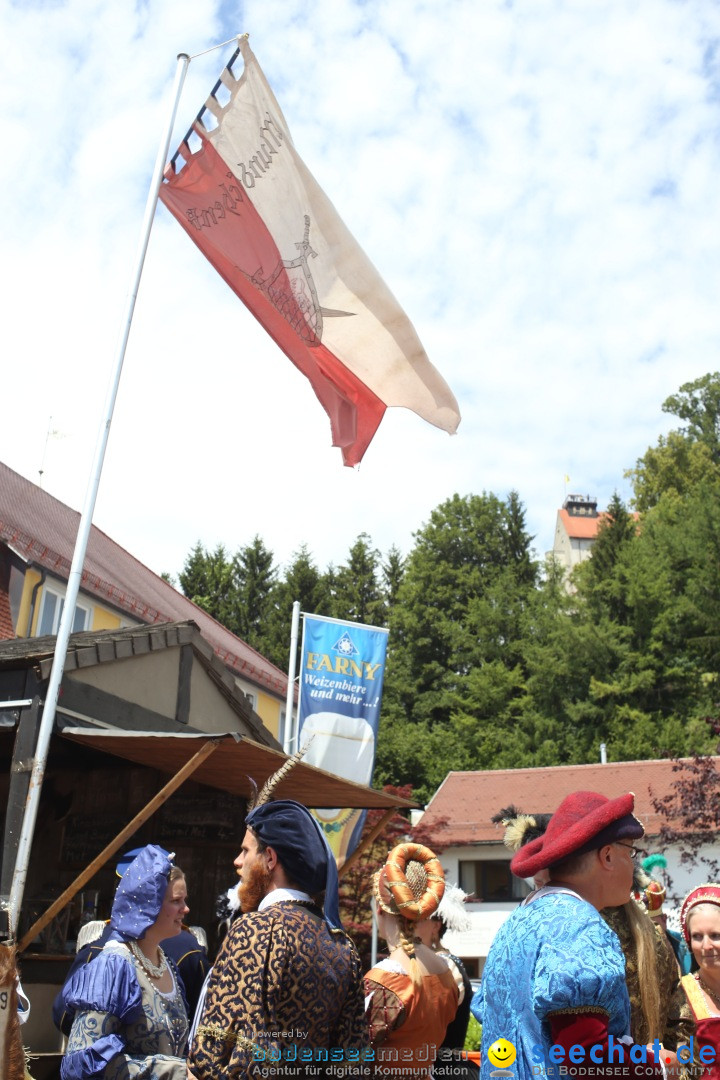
537,183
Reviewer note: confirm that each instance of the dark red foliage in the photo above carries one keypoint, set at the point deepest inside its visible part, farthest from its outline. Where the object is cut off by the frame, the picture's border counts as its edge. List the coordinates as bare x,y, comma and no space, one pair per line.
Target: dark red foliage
692,810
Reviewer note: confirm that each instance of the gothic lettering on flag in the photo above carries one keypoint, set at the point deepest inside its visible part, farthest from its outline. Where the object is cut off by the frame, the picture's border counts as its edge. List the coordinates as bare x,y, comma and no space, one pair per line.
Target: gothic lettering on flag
247,200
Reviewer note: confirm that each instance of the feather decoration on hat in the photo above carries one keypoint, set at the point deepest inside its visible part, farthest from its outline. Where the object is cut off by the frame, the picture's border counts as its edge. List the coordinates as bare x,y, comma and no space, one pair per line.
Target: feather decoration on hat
641,879
517,830
266,791
452,912
520,829
227,908
651,862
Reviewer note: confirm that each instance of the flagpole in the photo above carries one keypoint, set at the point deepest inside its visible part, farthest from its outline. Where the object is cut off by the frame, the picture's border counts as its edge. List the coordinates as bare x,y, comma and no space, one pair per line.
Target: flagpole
73,586
287,734
296,725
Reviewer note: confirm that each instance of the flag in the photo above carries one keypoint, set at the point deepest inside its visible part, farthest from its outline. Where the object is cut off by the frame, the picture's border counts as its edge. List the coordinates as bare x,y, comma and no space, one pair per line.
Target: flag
247,200
341,680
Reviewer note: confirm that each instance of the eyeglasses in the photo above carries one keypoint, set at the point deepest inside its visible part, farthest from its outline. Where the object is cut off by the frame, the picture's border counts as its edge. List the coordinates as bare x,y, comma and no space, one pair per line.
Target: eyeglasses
633,850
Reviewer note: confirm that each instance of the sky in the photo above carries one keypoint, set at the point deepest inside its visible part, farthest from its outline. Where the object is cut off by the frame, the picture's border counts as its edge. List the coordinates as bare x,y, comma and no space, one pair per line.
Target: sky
538,183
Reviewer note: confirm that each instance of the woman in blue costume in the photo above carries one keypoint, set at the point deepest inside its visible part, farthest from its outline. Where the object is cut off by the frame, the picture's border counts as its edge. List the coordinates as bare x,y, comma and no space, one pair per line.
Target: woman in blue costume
130,1012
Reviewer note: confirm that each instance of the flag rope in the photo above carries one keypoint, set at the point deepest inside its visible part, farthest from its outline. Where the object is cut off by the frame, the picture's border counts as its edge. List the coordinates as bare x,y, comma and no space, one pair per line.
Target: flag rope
238,37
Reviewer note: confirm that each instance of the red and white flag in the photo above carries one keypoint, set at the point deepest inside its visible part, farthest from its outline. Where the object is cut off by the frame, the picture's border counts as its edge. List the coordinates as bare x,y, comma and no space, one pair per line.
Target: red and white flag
248,201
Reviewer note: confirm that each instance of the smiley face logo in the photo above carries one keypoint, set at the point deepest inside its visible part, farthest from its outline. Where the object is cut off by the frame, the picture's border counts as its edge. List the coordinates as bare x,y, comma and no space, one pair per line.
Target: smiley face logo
502,1053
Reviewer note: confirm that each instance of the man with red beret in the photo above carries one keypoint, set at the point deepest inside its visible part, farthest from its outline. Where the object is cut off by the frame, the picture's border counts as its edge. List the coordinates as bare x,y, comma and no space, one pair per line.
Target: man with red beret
554,981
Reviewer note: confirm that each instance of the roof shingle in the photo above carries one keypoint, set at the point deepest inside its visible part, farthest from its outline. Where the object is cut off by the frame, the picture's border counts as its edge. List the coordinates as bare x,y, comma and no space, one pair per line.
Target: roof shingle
460,811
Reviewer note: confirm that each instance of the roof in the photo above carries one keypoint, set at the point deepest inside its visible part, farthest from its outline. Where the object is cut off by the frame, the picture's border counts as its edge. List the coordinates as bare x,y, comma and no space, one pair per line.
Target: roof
468,800
230,767
580,528
42,530
90,648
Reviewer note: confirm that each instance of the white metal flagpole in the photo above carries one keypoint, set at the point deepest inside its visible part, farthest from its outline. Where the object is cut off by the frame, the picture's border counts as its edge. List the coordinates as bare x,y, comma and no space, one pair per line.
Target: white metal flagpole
289,729
73,586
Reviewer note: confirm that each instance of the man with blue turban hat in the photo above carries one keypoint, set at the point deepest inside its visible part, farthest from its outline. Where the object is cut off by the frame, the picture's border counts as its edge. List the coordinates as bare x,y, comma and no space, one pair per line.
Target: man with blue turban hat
286,987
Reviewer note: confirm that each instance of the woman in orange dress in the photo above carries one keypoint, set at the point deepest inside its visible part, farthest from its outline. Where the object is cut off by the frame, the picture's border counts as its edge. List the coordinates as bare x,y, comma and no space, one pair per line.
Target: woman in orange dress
411,995
700,923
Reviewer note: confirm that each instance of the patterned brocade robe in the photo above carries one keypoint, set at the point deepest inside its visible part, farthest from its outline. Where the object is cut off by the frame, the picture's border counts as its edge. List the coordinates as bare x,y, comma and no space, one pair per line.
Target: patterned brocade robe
676,1016
555,976
283,987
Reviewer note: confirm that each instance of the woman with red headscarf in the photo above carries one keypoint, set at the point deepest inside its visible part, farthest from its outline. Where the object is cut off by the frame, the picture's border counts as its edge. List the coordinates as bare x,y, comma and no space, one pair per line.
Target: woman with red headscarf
700,923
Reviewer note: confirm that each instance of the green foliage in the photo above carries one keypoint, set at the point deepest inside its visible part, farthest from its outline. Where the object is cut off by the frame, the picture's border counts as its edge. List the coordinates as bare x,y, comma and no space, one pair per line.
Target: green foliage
302,582
493,661
699,404
356,590
254,579
207,578
680,461
473,1035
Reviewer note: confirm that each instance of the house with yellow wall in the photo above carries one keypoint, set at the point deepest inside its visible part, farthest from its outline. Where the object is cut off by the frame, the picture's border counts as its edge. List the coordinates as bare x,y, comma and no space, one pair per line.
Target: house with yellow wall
37,539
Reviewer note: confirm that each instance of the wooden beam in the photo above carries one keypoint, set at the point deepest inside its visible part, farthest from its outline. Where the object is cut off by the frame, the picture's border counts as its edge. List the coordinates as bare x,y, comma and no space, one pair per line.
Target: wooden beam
362,847
101,705
185,666
20,772
140,818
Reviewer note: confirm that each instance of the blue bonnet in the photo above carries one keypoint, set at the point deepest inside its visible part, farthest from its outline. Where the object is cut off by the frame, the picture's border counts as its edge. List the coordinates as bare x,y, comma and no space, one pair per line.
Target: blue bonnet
140,893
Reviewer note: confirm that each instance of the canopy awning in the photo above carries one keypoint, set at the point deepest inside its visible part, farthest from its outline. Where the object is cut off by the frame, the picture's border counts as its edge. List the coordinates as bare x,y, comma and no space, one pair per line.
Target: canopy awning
225,762
233,766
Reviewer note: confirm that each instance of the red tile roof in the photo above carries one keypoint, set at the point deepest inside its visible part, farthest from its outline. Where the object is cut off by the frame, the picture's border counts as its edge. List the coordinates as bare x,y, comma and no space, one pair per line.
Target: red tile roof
580,528
467,800
43,530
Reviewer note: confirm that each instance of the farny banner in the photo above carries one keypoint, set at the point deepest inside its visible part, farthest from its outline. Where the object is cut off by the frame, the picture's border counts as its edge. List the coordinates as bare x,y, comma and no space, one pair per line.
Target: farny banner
341,679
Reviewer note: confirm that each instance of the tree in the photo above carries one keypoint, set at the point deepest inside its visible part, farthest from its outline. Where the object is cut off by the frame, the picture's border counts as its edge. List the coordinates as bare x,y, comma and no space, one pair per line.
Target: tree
699,404
683,458
356,594
302,581
691,811
393,571
459,561
603,586
255,576
208,580
453,659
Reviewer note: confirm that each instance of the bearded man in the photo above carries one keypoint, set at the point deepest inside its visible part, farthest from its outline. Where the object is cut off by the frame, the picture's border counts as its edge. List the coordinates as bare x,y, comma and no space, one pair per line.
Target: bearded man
285,992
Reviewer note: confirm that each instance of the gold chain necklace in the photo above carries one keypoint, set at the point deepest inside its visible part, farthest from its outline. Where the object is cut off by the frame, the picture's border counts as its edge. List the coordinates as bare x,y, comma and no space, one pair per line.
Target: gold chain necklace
710,993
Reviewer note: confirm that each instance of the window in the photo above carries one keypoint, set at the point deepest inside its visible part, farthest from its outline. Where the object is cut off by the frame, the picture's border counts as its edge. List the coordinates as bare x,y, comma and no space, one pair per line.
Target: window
490,880
51,613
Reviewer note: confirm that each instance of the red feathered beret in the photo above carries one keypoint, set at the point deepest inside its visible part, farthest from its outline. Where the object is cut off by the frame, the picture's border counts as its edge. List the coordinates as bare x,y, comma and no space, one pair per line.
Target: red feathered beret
584,821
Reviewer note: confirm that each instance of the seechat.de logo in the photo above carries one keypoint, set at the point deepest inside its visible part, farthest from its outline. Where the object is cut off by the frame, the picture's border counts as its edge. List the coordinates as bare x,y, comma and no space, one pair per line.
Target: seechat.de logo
502,1054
